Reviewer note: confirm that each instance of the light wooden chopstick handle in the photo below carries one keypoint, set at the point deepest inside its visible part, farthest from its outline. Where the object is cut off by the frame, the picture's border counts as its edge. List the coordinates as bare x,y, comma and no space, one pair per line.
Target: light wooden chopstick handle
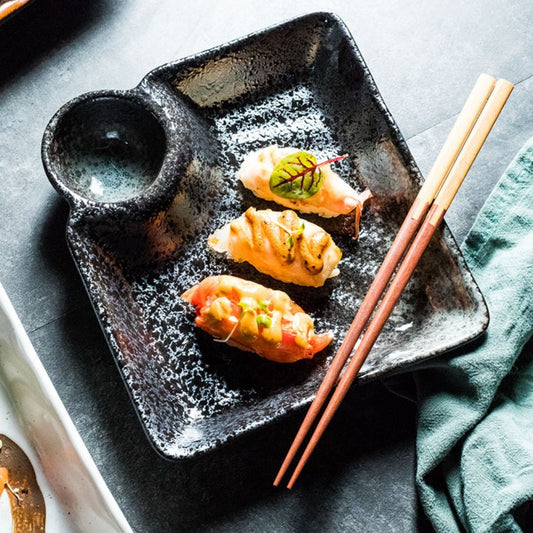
455,140
473,144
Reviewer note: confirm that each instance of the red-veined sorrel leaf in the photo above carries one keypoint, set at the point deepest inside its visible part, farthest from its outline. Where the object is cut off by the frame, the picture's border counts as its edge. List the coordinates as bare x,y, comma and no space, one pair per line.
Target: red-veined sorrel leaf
298,176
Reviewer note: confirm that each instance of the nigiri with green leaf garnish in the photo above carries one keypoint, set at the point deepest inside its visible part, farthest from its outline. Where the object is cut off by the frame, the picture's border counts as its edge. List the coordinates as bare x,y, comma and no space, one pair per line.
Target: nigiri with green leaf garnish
296,179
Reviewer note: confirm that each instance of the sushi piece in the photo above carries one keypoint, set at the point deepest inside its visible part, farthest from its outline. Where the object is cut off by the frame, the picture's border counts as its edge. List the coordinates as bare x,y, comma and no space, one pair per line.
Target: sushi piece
327,194
254,318
281,245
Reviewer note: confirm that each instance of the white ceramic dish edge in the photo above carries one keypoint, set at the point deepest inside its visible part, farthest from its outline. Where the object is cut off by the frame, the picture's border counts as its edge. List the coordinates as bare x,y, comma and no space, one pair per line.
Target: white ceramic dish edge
64,459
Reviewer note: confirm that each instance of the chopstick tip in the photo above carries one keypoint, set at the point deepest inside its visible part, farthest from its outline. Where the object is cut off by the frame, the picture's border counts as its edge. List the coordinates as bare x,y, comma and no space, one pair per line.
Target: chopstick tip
279,477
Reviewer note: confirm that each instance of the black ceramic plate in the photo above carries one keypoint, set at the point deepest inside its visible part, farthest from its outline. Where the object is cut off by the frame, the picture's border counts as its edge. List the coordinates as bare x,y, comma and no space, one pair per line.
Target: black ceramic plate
150,173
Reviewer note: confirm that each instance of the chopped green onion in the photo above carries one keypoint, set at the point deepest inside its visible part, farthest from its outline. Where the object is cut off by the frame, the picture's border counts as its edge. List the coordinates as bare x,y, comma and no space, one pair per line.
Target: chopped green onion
264,320
263,305
244,307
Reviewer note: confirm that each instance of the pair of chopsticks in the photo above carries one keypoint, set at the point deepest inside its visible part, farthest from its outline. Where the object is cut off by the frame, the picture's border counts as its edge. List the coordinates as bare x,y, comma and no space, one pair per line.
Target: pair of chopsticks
442,183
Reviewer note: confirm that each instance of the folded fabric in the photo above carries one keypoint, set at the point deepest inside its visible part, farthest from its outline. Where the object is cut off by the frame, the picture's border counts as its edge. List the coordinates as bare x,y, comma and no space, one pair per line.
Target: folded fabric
475,426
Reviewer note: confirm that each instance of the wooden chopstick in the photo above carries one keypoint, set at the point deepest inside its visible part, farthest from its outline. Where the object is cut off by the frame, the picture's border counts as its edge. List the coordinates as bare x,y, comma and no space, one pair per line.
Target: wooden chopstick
461,166
476,136
466,119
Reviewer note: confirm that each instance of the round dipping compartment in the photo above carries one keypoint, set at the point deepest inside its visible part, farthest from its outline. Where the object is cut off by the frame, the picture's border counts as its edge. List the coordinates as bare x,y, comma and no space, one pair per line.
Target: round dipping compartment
109,149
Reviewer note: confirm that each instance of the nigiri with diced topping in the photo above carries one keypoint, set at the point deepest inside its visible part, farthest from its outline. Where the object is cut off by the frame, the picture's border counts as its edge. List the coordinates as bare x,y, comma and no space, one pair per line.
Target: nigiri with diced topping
295,179
254,318
281,245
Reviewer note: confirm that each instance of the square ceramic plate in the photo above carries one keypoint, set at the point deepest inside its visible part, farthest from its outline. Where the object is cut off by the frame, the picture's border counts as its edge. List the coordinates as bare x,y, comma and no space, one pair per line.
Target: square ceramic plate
180,136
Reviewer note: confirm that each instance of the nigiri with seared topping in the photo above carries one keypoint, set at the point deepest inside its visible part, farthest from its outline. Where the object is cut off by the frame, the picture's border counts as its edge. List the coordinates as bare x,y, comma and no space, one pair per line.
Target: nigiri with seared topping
255,318
281,245
296,180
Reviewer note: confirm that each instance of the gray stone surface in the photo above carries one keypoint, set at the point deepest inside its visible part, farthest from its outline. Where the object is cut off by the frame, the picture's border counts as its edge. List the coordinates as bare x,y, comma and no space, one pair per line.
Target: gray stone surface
424,56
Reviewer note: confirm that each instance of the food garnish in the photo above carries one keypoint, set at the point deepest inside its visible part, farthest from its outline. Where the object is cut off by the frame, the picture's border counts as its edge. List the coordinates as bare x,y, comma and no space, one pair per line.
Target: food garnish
254,318
293,178
298,175
281,245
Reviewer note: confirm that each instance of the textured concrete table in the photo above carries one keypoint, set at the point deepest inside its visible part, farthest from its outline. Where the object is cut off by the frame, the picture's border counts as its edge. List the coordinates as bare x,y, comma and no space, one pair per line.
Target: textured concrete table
424,60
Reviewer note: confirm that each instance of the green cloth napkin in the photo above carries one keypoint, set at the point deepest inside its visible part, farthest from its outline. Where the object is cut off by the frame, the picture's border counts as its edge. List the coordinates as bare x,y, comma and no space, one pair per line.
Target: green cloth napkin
475,427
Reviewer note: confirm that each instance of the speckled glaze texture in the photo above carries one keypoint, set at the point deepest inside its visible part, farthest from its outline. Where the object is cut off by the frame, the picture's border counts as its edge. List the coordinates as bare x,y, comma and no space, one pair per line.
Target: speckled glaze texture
178,140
